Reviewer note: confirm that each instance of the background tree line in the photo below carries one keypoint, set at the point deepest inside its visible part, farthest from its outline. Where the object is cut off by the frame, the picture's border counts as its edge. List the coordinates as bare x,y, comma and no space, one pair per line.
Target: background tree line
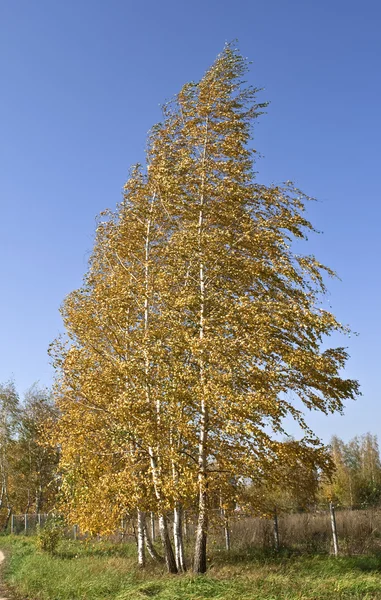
28,466
354,481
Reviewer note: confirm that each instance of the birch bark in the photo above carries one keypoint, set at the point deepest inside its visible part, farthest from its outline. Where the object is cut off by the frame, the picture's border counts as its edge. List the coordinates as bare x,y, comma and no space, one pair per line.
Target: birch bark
140,539
178,537
199,565
154,460
150,547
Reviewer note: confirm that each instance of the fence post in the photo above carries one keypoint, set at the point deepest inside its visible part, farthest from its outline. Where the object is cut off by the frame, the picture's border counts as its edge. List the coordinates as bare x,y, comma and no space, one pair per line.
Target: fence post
74,532
276,531
227,535
226,529
334,529
39,520
12,524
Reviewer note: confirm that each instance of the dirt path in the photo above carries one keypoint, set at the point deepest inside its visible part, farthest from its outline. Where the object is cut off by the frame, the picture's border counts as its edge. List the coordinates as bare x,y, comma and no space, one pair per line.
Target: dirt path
3,592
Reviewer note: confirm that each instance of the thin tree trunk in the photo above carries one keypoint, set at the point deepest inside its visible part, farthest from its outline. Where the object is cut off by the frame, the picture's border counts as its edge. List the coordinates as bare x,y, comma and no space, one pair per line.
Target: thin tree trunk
163,525
185,521
276,531
38,499
140,539
151,548
152,521
350,492
199,564
169,556
178,538
134,532
122,529
334,529
26,511
9,509
226,529
178,519
9,514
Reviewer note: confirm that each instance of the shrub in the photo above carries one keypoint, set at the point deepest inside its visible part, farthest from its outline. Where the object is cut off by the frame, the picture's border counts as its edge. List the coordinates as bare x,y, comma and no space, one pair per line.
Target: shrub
49,536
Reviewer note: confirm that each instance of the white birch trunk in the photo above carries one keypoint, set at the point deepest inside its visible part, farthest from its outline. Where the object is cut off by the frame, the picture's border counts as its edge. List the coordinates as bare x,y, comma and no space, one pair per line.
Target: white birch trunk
140,539
169,556
178,519
151,548
178,538
152,522
155,469
185,521
199,565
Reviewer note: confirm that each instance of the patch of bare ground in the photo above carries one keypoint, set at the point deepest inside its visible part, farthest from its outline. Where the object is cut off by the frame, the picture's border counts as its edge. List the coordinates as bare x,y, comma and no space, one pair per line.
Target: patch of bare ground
4,592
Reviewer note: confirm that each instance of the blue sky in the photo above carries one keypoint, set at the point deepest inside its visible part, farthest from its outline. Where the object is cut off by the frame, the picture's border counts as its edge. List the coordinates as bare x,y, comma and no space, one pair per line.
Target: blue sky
81,84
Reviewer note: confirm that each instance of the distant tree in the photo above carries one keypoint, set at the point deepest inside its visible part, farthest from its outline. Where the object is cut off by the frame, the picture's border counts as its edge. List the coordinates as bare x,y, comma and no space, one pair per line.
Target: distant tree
36,462
295,486
370,471
9,421
356,481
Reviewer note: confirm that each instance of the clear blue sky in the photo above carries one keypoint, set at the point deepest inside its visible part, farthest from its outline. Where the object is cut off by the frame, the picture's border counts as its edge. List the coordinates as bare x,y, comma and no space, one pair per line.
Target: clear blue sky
81,84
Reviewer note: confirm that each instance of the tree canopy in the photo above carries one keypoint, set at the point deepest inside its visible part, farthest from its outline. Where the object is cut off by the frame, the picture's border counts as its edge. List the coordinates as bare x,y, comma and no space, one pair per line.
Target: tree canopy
197,326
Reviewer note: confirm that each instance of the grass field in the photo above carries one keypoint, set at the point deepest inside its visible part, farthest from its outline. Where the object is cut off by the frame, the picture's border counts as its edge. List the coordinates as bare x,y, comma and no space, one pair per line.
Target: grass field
97,571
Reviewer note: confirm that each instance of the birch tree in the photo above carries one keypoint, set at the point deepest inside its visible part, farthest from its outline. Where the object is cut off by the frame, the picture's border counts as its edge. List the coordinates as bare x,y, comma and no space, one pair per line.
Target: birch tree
249,318
198,328
356,480
9,416
35,462
110,369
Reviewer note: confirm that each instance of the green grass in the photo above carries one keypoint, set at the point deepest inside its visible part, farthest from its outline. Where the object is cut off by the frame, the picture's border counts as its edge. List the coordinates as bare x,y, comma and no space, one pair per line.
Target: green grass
104,571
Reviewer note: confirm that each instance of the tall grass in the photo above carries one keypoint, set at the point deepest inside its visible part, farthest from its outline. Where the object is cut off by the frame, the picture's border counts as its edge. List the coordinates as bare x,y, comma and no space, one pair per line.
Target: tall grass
104,571
302,569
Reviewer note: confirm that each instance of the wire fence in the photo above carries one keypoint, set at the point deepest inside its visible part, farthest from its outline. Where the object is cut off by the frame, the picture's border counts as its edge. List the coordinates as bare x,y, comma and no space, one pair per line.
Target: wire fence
27,523
30,523
343,532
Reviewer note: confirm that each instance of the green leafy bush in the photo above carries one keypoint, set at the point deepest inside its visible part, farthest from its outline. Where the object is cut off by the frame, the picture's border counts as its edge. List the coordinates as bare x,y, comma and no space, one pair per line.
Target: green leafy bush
49,536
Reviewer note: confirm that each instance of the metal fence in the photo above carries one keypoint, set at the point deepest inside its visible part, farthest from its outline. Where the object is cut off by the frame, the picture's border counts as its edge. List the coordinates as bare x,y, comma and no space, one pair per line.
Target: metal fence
29,523
348,532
